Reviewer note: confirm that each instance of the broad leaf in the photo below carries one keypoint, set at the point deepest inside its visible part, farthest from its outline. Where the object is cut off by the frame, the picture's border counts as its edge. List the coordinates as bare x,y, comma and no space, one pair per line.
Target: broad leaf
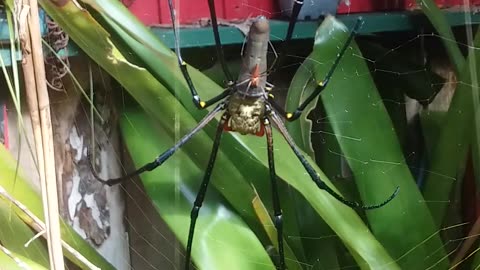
369,144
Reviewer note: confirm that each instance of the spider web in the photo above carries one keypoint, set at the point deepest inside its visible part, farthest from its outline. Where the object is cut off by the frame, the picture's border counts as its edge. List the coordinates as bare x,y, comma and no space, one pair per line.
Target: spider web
425,59
154,246
425,50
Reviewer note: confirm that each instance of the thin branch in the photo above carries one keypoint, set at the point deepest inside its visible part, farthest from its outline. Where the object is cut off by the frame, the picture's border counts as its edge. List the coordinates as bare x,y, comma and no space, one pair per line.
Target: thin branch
40,108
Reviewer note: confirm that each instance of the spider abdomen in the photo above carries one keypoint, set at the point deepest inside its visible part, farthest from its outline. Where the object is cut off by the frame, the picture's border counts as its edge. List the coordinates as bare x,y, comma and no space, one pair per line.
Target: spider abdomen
245,115
254,59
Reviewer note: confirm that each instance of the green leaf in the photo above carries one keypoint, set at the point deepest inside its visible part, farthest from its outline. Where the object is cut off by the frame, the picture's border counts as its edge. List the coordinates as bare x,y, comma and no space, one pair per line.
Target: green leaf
14,234
222,240
319,246
437,18
269,227
476,256
302,86
370,146
14,261
447,164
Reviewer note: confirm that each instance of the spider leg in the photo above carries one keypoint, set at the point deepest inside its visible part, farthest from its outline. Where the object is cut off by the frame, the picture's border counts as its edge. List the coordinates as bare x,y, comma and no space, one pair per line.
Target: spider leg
218,44
203,190
320,184
164,156
297,6
277,210
183,66
322,84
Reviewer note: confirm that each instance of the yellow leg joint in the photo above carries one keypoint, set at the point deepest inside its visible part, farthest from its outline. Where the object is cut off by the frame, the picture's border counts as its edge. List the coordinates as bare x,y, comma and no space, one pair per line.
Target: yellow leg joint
289,115
202,104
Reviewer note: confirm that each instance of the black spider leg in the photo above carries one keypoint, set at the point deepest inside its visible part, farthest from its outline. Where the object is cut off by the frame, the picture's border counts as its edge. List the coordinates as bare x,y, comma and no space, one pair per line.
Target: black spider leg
165,155
203,190
183,67
218,44
297,6
320,184
322,84
277,210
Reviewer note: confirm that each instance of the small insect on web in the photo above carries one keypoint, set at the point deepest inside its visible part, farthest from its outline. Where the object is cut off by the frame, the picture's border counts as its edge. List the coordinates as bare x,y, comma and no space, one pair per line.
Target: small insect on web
248,108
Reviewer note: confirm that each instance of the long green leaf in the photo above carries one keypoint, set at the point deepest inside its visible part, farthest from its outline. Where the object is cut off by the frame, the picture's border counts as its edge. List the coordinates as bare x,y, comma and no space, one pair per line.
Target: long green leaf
313,228
370,146
269,227
14,234
222,239
438,20
13,261
450,152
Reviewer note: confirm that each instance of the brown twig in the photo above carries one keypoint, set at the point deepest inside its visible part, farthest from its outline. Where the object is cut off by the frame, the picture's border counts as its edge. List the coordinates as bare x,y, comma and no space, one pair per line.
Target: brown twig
38,102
